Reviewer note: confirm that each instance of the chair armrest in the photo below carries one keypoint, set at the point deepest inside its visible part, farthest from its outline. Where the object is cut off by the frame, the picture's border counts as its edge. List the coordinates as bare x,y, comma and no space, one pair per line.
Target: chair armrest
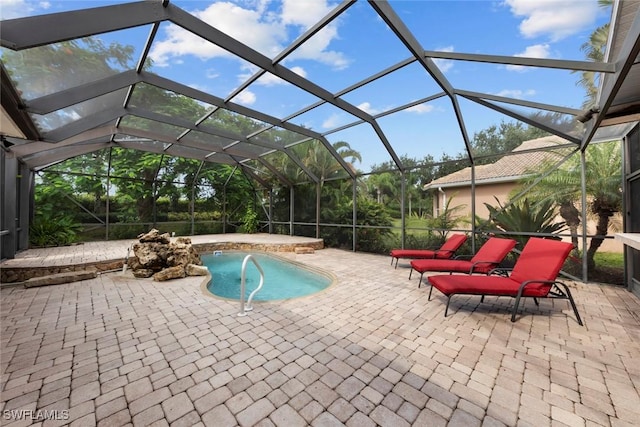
475,264
528,282
445,251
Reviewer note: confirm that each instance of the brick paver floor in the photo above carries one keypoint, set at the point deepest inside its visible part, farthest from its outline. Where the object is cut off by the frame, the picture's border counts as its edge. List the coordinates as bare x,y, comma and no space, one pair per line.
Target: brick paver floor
370,350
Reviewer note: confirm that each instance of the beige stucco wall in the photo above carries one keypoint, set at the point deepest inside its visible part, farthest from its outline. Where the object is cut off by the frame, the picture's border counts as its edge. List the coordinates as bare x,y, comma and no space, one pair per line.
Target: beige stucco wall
485,194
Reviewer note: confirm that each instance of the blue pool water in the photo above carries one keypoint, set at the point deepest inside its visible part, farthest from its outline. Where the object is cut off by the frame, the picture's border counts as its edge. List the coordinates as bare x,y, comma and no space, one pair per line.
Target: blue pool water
282,279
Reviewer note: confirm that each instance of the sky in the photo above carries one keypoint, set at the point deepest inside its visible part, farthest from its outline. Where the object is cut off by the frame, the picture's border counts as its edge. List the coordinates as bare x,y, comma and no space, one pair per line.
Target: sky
359,45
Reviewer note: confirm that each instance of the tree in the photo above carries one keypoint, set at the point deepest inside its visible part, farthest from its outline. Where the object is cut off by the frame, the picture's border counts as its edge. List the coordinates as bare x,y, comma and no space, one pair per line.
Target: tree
603,188
594,50
502,139
45,69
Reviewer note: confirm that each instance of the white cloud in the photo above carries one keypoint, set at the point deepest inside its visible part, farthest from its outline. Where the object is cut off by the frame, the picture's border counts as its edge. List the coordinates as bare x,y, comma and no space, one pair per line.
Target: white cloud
556,19
517,93
246,97
304,13
10,9
332,121
211,73
420,109
367,108
265,36
299,71
268,79
316,49
262,30
534,51
444,64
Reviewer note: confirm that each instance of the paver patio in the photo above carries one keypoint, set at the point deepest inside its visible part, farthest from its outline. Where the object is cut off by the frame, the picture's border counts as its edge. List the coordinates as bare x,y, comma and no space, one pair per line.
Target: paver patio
370,350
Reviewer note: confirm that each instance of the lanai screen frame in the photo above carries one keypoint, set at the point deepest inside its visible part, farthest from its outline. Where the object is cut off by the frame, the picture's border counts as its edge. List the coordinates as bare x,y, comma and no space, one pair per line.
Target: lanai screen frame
25,33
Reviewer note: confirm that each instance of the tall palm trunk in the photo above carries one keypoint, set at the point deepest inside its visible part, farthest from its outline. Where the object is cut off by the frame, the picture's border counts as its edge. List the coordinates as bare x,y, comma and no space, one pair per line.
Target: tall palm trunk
602,226
571,216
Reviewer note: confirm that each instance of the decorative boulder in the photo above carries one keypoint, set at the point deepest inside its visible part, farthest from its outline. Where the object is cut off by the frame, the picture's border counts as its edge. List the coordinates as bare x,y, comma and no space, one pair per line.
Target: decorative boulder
154,236
196,270
142,273
155,255
169,273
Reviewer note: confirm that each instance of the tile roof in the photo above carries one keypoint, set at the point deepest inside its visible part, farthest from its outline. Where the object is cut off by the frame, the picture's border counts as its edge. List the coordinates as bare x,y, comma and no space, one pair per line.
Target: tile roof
510,167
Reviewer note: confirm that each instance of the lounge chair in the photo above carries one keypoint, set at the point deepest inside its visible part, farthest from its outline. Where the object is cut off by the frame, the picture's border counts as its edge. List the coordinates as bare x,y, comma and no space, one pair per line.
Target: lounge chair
445,251
488,257
533,276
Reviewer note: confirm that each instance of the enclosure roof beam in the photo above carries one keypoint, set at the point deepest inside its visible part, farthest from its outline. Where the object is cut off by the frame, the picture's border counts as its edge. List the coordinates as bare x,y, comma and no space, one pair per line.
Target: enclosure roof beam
34,31
596,67
84,124
213,35
36,147
76,94
627,58
155,136
386,12
525,119
520,102
41,160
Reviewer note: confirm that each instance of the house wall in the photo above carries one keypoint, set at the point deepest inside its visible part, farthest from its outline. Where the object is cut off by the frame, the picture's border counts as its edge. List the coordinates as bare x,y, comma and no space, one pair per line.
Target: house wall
461,196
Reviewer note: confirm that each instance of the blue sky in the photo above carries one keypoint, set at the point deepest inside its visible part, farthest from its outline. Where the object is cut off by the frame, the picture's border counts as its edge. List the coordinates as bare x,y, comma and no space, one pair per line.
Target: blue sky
358,45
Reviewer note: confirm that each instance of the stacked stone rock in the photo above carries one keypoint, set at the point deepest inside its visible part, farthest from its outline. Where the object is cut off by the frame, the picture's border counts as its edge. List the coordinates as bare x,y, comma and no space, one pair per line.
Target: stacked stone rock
154,255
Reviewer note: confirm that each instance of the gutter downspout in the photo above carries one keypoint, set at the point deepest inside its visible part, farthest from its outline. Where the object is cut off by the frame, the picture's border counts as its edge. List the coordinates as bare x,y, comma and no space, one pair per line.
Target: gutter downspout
444,198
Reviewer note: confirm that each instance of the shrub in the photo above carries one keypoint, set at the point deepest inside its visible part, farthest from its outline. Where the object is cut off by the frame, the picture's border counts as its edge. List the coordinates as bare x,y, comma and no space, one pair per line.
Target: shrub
57,231
249,221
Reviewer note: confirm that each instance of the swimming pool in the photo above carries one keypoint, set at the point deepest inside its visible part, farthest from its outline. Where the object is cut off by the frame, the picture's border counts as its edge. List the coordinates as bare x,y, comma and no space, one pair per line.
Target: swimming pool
282,278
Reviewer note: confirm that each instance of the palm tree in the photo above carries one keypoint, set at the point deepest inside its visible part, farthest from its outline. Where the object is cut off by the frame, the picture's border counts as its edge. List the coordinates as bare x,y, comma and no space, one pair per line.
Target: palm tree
594,50
322,163
603,188
384,185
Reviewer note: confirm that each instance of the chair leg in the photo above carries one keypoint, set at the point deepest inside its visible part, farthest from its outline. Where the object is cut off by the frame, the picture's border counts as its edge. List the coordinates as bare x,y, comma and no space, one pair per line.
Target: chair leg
411,271
515,309
397,259
573,303
430,290
420,282
446,309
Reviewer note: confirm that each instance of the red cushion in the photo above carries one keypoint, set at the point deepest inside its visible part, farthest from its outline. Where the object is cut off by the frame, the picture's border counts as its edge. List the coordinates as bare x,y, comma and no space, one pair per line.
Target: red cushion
453,243
455,265
412,253
483,285
495,249
541,259
446,250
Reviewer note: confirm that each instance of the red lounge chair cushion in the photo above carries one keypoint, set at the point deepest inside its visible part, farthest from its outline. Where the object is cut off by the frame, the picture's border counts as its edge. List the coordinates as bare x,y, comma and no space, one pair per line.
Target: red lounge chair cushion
454,265
446,250
541,259
495,249
414,253
485,285
487,258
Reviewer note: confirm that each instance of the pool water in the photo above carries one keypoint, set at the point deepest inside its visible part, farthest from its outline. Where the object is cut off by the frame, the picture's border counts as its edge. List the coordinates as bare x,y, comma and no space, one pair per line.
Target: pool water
282,279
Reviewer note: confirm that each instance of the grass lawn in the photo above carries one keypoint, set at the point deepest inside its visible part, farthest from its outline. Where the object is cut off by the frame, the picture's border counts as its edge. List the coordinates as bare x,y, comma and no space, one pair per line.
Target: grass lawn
610,259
